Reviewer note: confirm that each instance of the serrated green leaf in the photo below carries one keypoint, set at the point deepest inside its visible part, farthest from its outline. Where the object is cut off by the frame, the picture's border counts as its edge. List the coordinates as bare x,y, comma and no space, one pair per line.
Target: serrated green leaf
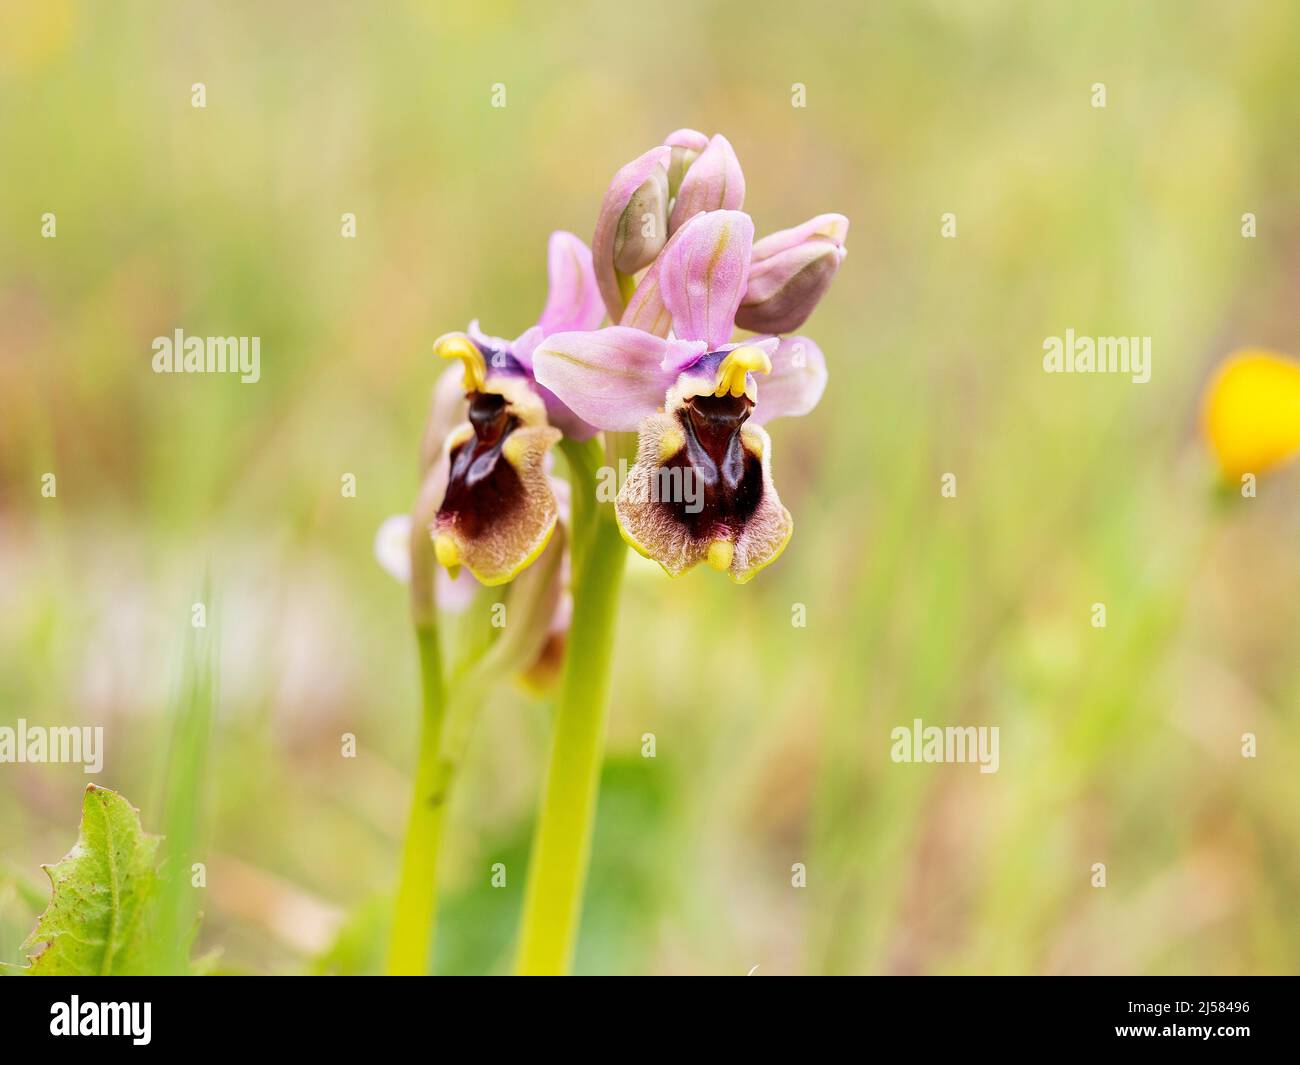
102,907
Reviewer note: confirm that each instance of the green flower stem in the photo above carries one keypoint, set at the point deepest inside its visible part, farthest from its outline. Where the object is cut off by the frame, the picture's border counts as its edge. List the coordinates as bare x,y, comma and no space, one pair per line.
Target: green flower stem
562,842
417,893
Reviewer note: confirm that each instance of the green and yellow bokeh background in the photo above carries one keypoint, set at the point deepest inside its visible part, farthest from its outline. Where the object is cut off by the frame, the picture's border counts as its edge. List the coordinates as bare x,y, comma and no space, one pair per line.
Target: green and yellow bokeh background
1119,745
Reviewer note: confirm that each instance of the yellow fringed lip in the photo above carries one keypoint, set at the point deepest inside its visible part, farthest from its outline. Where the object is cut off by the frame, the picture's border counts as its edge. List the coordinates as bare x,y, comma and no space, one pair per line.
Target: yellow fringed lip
1251,412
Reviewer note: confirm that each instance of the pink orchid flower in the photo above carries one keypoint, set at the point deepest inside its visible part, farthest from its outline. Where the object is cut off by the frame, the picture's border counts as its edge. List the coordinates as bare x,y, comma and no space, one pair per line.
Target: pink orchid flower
701,488
496,508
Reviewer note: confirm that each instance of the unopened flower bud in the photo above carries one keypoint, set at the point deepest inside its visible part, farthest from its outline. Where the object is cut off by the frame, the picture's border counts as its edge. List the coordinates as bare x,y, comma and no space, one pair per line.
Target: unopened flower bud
687,144
643,227
790,272
714,182
639,179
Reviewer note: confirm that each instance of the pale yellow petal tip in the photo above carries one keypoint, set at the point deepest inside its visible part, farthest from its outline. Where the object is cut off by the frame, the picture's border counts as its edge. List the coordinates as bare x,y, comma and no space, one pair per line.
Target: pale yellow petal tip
447,552
1251,412
720,554
835,227
736,364
460,346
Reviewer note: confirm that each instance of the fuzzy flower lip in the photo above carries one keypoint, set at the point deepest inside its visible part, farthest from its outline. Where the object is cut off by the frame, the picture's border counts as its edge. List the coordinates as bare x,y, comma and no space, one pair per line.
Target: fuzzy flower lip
1251,412
730,517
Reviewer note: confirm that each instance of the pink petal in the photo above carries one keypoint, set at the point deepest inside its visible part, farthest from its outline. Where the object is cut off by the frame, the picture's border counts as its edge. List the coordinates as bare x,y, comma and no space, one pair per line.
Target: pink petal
646,310
714,182
525,343
702,275
556,412
680,357
574,299
625,183
611,378
796,383
833,227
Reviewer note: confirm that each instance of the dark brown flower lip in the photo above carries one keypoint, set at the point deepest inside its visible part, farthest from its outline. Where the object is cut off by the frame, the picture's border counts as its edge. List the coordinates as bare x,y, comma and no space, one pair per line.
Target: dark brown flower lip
482,488
728,477
666,510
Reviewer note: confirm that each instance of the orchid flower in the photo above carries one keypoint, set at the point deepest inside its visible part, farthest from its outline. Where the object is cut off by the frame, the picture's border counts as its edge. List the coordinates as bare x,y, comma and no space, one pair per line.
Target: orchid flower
496,509
701,488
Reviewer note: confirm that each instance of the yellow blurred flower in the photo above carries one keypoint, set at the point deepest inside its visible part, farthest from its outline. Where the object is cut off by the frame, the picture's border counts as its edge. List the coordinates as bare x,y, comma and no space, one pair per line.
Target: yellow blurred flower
1251,412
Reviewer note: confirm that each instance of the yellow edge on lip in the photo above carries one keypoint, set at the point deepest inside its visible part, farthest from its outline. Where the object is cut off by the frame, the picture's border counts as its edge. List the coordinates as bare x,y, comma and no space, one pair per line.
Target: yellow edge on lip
633,543
491,581
750,574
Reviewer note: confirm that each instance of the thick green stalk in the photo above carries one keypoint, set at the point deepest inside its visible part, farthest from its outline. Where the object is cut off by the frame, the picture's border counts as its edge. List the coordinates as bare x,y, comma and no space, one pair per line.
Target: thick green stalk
562,842
417,894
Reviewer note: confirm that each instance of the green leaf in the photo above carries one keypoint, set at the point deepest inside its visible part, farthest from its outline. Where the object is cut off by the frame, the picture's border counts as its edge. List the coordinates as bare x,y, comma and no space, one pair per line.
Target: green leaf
100,914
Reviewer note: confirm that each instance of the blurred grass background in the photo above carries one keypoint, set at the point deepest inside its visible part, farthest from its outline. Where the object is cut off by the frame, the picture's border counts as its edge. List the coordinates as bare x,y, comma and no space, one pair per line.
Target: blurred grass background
1120,745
